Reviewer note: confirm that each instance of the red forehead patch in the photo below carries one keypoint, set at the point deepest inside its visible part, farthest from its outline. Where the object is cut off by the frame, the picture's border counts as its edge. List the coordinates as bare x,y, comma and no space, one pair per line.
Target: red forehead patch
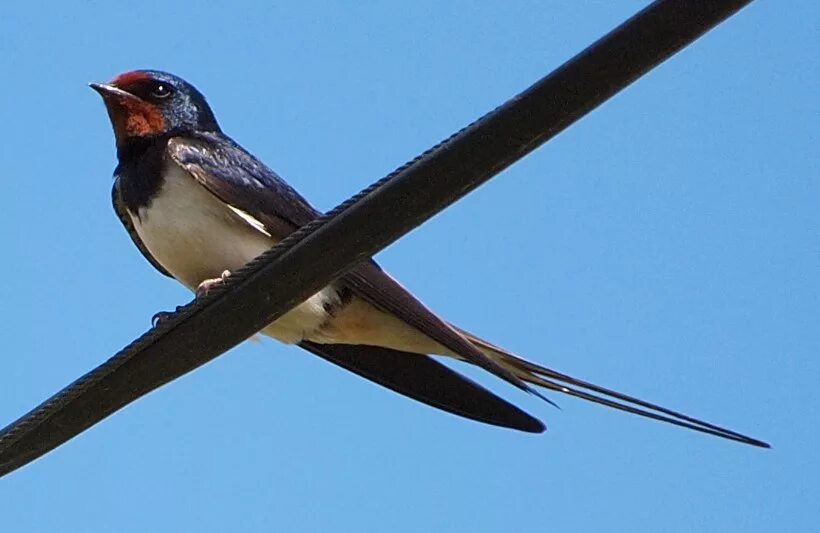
130,78
130,115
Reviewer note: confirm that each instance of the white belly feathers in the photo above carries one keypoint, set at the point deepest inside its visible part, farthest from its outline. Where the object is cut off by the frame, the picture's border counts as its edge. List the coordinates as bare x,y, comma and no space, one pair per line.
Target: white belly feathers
195,236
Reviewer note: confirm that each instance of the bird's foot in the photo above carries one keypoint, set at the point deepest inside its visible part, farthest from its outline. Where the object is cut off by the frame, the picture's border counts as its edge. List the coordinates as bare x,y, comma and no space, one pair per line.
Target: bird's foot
162,316
206,286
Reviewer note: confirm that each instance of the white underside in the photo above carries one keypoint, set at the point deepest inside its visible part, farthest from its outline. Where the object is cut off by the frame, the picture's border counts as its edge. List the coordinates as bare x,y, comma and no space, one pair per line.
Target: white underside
195,237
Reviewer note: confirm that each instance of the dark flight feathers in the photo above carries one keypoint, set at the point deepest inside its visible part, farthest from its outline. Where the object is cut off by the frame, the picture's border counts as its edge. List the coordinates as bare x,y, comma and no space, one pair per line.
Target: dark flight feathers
424,379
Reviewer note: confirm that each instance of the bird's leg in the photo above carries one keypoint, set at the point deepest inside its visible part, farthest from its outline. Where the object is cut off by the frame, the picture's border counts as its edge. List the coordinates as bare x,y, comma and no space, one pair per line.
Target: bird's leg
206,286
162,316
201,290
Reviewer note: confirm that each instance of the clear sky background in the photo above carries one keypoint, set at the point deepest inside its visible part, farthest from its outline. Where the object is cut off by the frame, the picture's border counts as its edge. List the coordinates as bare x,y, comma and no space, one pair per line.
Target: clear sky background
667,245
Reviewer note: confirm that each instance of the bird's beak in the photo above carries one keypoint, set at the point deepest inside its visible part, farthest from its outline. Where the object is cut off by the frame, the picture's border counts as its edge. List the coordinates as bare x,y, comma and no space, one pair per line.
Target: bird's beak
110,92
130,115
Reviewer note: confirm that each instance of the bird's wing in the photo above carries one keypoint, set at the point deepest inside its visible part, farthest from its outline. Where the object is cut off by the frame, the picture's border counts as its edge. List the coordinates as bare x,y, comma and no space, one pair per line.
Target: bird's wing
424,379
125,218
415,376
242,181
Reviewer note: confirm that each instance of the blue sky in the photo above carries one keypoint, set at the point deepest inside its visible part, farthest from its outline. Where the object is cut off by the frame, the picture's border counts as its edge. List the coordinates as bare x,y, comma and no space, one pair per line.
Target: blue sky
667,245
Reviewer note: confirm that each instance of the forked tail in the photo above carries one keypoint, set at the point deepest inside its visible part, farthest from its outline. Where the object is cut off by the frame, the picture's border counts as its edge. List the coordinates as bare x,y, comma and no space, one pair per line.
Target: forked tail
556,381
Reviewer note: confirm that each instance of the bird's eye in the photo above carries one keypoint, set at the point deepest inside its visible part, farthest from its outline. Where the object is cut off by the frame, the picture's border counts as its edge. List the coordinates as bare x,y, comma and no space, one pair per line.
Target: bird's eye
161,91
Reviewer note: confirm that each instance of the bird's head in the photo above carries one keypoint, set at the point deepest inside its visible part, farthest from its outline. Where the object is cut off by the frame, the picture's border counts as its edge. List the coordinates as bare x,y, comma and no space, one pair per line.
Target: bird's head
146,103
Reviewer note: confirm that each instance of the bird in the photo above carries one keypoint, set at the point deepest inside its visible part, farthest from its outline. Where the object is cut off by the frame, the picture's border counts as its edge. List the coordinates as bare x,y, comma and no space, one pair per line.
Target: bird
198,206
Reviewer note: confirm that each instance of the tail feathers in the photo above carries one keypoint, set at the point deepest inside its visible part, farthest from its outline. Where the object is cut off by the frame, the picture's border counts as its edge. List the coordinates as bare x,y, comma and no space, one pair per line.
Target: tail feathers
559,382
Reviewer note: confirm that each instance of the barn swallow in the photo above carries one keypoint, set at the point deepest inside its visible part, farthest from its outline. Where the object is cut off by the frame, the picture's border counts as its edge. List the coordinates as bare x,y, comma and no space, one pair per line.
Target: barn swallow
199,206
